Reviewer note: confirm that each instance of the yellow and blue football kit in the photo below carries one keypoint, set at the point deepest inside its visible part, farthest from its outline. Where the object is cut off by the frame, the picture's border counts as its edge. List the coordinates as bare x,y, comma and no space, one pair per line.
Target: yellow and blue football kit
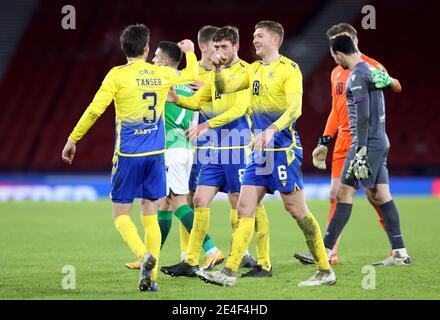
225,143
276,98
139,90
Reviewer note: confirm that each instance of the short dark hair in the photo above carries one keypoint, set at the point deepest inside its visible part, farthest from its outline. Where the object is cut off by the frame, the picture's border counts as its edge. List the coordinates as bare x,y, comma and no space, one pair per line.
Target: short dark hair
172,50
341,28
343,43
206,33
133,39
229,33
273,26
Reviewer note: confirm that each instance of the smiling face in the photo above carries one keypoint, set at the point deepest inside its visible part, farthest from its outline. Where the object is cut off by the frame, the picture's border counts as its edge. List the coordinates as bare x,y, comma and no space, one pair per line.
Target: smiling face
265,41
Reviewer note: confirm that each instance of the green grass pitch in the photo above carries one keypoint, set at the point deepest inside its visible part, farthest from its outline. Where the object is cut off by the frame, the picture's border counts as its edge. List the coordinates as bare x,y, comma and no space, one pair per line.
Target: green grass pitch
38,239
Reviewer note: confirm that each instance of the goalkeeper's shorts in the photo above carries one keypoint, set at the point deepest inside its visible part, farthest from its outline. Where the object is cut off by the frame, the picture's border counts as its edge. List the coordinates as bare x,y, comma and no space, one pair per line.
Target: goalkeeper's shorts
138,177
378,165
275,170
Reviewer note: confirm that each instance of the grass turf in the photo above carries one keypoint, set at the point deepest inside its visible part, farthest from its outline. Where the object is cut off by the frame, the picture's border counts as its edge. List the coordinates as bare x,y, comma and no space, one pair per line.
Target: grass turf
38,239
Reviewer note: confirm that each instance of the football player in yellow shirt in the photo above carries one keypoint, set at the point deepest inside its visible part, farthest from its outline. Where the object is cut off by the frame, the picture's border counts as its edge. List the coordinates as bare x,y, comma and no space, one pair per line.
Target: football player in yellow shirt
139,90
275,163
228,142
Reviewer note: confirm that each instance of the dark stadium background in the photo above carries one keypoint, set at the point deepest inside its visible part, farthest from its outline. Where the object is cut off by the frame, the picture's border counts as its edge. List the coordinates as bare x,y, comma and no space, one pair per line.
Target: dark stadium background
49,75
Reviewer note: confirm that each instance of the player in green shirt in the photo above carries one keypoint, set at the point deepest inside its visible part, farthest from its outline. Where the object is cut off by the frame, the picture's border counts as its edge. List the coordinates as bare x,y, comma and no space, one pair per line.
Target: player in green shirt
178,163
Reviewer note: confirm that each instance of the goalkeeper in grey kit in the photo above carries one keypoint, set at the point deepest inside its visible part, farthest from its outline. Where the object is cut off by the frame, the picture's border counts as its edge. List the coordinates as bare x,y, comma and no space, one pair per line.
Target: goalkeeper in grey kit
365,163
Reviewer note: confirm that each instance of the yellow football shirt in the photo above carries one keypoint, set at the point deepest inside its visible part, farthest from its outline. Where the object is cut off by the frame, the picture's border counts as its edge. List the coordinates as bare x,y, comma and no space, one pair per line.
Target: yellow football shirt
139,90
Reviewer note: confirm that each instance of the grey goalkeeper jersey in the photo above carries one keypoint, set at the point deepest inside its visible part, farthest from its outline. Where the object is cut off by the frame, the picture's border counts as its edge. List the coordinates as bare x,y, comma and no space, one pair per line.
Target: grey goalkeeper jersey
366,109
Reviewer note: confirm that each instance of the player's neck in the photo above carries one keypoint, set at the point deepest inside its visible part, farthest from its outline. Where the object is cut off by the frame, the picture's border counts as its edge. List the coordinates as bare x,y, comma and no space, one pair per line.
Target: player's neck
132,59
205,62
271,57
353,60
234,61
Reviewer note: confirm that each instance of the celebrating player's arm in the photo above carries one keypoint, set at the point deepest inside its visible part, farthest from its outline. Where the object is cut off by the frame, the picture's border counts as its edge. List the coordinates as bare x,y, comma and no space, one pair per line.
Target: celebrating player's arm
237,111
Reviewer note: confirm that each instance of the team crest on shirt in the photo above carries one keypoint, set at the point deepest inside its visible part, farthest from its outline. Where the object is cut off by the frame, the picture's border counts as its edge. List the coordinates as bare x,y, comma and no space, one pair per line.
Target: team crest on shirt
271,75
290,154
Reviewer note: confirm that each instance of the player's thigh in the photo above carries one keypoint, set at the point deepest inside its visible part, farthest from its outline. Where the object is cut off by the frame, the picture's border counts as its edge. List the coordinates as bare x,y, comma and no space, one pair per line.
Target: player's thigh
154,177
126,180
377,160
295,203
287,175
178,163
347,179
342,146
250,197
204,195
199,155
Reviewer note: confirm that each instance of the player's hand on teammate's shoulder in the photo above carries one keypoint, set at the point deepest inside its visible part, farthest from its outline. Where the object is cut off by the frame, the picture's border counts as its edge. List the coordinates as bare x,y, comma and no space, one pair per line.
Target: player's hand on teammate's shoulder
186,45
218,60
381,79
172,96
68,152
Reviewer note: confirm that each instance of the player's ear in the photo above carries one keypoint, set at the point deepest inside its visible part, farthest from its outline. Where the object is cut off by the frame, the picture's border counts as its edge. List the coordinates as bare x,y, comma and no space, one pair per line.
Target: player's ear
237,46
202,47
146,49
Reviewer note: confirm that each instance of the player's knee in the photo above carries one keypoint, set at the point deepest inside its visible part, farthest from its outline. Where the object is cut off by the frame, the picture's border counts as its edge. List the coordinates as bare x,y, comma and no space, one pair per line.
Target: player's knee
343,197
245,210
199,201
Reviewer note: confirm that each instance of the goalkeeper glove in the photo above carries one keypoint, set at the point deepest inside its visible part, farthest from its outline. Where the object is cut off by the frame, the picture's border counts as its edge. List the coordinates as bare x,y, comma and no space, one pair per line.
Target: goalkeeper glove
320,152
382,79
359,166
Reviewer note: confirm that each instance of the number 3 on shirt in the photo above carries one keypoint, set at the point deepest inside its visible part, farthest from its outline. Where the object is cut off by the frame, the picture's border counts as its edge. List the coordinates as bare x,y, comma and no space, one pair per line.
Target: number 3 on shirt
151,107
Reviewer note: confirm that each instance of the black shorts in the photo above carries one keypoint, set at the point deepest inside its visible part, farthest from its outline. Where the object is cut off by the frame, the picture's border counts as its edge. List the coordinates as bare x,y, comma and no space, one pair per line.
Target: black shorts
378,165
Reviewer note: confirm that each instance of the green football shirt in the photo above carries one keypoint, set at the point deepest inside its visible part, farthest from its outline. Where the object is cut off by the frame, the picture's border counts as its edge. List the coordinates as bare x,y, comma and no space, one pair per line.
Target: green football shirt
177,120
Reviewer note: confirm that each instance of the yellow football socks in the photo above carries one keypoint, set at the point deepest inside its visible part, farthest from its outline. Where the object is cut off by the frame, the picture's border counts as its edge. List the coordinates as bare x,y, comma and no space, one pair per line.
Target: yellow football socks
262,238
130,235
152,240
234,219
240,241
312,233
184,239
197,235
